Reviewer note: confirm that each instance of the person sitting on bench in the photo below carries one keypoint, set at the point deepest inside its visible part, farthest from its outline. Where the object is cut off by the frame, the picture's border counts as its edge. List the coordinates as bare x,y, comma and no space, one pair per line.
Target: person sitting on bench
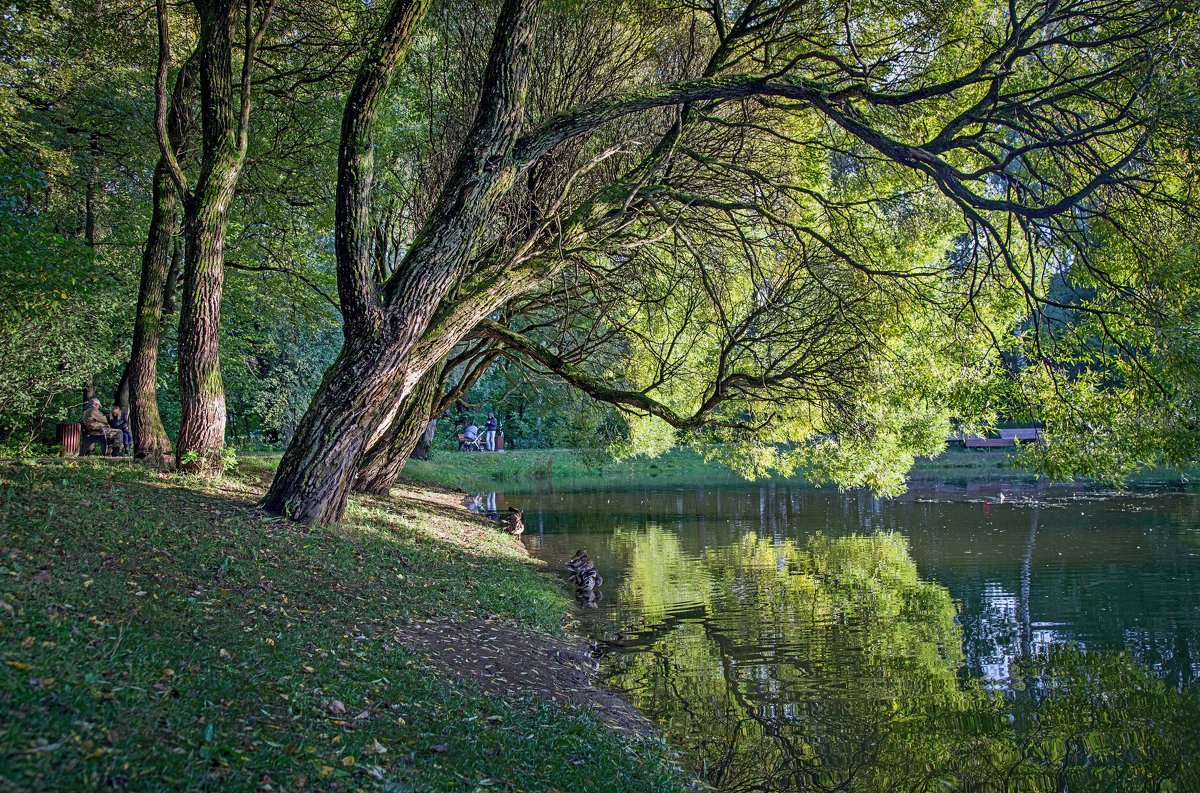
95,428
119,422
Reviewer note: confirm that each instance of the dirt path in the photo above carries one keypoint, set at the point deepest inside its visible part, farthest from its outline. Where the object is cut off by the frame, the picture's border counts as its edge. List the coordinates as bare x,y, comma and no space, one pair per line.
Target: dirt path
510,660
503,658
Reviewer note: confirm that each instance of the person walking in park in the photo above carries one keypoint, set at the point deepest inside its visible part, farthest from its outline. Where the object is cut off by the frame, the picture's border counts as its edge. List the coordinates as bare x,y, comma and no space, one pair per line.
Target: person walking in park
490,430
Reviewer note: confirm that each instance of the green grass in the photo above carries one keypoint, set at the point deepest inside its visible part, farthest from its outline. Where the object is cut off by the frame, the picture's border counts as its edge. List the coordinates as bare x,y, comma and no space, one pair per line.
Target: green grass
984,462
578,467
583,469
157,632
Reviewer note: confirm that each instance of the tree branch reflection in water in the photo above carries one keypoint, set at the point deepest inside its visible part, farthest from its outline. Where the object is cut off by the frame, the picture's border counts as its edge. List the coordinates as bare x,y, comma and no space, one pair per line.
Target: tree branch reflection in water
845,675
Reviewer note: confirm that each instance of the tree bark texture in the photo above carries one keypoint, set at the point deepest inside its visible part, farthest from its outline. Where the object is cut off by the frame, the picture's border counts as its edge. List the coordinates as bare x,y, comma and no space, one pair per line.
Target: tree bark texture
121,392
384,460
356,165
206,215
424,444
375,368
150,440
159,270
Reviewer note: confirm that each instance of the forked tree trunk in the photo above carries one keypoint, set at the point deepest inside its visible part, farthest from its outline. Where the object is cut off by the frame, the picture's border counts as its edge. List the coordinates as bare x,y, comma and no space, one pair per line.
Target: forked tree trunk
385,459
376,365
206,215
314,477
150,440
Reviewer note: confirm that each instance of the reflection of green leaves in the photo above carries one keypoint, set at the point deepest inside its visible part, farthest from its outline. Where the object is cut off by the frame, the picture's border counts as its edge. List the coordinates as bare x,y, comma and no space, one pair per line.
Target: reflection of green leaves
833,665
1078,721
850,607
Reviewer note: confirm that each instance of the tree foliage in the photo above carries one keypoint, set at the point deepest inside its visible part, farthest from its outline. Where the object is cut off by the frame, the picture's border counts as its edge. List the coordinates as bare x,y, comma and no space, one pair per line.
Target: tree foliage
804,237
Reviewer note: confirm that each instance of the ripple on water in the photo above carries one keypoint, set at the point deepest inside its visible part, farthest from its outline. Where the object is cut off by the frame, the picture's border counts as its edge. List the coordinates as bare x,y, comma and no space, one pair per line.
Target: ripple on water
787,638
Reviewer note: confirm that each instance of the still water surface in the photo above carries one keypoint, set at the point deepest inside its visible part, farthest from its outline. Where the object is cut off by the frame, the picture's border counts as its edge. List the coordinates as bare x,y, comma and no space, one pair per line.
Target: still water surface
787,638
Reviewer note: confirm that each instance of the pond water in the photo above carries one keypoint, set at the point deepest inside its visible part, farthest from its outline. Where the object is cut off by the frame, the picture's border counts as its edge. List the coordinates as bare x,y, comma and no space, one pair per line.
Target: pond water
973,638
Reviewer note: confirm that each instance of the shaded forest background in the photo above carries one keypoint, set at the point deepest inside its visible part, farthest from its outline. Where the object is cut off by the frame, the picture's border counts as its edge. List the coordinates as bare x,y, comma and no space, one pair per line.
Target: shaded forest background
802,236
76,170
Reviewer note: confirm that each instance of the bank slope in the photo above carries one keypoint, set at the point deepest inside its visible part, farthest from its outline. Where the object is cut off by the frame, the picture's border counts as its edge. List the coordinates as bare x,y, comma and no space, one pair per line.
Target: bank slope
158,632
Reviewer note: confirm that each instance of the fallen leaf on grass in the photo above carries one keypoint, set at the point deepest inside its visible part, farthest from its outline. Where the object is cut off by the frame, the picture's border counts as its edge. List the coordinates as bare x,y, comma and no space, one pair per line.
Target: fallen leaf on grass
440,747
336,708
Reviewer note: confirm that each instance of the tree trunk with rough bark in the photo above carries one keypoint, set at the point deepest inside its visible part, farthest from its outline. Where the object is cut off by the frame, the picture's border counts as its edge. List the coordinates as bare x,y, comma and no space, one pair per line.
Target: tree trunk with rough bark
377,365
424,443
314,477
206,216
121,392
384,460
150,440
201,393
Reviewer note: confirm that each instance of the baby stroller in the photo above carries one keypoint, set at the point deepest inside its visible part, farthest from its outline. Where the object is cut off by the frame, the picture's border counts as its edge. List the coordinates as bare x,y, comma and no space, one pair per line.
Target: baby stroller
475,444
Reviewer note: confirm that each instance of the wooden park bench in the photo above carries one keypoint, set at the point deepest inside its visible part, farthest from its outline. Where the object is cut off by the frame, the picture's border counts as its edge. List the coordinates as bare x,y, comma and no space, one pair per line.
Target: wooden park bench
1023,434
76,442
975,442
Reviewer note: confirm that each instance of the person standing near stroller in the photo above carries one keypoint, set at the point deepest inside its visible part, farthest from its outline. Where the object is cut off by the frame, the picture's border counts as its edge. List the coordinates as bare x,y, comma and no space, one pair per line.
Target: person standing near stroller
490,432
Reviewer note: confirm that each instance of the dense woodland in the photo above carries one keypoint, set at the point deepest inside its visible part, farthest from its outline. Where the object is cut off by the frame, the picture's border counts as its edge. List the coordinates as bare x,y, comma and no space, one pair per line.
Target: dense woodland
800,236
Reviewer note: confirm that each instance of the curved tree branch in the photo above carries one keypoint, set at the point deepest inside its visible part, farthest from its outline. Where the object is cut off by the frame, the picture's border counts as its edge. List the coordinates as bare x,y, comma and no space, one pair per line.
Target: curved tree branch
165,146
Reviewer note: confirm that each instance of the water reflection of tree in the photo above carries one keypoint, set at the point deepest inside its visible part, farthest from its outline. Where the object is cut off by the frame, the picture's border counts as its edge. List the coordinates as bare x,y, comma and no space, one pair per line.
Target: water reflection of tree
833,666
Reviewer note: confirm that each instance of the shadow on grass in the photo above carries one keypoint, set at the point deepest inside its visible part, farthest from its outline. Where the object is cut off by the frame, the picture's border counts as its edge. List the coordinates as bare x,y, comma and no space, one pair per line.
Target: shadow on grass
159,635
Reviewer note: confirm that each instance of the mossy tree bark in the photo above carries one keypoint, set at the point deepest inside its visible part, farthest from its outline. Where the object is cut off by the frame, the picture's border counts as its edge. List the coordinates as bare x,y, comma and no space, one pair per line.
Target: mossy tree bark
409,432
385,458
150,439
224,138
377,364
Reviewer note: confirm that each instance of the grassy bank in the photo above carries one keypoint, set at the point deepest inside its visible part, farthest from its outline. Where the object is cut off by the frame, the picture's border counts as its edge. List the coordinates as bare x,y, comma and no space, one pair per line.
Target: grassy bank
578,467
581,469
158,632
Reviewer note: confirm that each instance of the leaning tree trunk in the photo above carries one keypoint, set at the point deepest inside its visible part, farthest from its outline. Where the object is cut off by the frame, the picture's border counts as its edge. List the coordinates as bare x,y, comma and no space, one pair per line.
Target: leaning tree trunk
384,328
314,477
384,460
